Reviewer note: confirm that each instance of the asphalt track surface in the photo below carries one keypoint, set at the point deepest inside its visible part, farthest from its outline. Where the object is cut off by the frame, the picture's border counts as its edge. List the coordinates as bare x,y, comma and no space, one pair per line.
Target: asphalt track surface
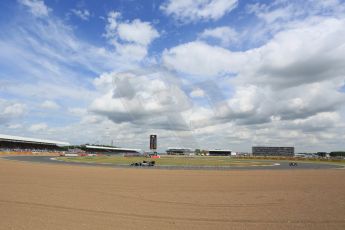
281,165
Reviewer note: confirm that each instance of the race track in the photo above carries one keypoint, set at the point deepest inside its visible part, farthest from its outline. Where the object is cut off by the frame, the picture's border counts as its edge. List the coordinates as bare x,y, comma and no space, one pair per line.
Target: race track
276,165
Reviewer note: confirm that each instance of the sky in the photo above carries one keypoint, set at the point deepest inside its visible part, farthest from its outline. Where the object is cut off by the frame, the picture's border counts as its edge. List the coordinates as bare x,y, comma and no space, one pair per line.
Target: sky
226,74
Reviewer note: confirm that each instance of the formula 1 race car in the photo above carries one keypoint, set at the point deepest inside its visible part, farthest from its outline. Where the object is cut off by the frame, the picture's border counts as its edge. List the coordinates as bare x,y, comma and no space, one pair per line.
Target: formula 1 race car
292,164
144,163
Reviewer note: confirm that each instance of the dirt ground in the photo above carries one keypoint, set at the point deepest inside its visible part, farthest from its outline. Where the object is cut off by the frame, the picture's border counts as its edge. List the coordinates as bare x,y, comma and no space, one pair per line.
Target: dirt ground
39,196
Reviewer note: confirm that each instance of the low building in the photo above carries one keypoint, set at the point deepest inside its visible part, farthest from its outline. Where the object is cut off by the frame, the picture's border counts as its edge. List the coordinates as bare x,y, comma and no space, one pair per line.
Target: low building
273,151
220,152
179,151
305,155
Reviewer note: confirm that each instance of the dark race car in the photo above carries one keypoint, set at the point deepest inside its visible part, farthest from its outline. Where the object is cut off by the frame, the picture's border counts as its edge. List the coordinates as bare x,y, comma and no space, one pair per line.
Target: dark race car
144,163
292,164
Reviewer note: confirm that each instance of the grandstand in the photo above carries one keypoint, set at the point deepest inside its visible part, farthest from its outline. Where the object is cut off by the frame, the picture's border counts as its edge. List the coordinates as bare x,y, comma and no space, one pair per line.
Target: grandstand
109,150
25,144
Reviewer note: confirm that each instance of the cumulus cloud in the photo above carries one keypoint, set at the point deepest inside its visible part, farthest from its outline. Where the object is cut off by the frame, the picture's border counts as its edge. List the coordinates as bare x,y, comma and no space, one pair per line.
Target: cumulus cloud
137,31
37,7
256,105
194,10
202,59
295,75
148,100
131,39
317,123
252,105
277,16
309,52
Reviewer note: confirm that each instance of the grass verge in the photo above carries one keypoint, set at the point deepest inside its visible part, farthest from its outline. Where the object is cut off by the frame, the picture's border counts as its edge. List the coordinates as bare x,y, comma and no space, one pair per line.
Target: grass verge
169,161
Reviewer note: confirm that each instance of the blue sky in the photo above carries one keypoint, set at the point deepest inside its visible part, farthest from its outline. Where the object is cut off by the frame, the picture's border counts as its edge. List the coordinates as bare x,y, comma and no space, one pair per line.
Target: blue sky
200,74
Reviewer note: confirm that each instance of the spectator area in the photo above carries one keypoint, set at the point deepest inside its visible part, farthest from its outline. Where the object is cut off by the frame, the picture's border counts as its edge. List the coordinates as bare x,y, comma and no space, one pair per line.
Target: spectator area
110,150
24,144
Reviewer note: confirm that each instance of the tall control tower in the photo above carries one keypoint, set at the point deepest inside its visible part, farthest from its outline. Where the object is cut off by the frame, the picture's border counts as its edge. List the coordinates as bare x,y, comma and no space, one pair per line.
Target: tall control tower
153,144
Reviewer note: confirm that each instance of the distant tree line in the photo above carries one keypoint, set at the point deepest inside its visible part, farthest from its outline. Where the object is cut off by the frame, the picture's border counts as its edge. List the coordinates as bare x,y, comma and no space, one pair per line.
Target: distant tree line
331,154
337,154
200,152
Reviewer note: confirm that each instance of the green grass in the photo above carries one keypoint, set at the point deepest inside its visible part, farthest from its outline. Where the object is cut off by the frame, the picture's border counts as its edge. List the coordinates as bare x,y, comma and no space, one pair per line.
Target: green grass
306,160
195,161
168,161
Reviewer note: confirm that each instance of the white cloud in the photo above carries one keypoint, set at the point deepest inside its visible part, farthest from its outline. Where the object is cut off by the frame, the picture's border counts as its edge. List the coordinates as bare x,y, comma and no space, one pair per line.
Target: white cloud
38,127
112,23
48,60
77,111
131,52
258,104
158,104
15,126
92,119
16,109
130,39
138,32
289,89
11,110
294,76
309,52
83,14
224,34
201,59
271,13
276,16
245,100
193,10
37,7
47,47
197,93
318,123
327,4
50,105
